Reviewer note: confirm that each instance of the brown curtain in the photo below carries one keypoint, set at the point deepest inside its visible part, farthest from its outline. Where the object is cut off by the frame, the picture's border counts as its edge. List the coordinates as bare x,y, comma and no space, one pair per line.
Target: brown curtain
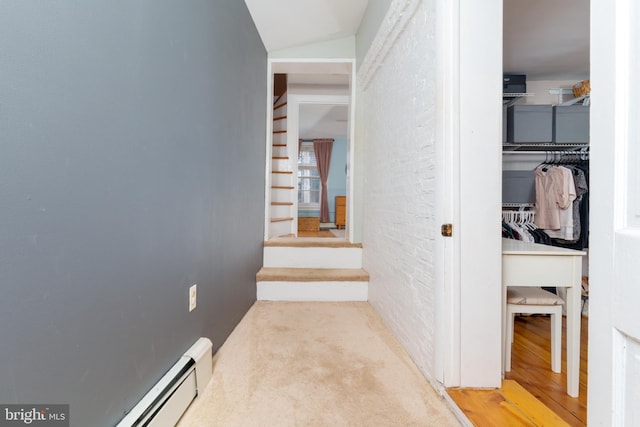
322,149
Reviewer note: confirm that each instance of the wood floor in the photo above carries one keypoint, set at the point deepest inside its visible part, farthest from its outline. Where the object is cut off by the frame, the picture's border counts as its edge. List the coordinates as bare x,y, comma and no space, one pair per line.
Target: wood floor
321,233
531,368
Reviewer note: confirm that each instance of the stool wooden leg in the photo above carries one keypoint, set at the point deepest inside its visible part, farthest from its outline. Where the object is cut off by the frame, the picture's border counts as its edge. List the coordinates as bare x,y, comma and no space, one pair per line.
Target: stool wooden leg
556,340
508,338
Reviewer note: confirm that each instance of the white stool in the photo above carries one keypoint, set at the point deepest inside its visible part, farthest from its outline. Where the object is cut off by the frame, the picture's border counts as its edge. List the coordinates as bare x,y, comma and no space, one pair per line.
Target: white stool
531,300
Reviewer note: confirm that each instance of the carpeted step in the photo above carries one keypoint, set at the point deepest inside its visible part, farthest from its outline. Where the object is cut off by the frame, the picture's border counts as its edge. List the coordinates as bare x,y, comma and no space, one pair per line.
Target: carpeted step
311,242
312,284
269,274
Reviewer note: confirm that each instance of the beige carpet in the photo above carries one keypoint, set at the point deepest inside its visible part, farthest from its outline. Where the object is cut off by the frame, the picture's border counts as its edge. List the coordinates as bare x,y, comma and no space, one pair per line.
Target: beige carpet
315,364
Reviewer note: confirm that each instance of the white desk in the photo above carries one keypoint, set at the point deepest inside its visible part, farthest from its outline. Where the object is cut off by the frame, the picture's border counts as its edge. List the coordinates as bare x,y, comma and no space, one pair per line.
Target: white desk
533,264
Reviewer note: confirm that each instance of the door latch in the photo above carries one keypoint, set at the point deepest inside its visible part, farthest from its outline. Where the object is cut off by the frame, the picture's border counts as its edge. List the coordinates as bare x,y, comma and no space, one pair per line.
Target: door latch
446,230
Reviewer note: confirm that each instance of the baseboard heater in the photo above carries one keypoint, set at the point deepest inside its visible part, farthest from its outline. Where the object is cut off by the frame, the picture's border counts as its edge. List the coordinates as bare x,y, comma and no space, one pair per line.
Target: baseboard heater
165,403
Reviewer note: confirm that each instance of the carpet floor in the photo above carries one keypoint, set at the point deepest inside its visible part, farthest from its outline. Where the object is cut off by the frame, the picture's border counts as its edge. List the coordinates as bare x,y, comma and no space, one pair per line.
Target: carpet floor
315,364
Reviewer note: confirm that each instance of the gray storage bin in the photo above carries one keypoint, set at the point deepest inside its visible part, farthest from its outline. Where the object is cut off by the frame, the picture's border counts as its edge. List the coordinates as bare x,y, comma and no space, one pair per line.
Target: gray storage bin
519,186
571,123
504,123
530,123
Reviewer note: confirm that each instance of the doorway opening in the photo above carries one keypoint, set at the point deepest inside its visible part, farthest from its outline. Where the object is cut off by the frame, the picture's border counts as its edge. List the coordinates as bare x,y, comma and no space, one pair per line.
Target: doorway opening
545,62
309,149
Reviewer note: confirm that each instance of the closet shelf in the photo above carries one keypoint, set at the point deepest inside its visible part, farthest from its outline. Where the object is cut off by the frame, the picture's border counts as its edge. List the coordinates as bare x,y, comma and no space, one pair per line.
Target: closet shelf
508,99
560,92
552,146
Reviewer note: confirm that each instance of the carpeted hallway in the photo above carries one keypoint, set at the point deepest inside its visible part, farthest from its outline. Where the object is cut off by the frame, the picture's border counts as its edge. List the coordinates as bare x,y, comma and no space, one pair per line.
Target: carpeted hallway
315,364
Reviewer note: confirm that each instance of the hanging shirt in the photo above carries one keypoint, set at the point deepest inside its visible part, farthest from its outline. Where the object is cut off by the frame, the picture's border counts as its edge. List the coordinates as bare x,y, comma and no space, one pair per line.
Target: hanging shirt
565,205
555,193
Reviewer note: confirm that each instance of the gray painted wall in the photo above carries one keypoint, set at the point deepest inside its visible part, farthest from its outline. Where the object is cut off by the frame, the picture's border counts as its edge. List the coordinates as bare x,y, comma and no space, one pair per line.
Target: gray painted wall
131,135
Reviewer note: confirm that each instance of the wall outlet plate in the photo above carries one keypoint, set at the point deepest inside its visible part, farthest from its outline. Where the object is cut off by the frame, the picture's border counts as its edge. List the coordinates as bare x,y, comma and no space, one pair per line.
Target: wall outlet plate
193,296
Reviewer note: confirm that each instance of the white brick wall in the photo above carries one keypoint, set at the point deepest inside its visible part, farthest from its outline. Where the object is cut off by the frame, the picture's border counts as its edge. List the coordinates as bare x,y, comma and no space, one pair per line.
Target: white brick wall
400,179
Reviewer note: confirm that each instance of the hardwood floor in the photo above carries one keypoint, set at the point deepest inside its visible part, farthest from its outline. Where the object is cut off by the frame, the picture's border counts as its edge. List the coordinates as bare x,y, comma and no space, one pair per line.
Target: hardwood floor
530,366
530,369
321,233
510,406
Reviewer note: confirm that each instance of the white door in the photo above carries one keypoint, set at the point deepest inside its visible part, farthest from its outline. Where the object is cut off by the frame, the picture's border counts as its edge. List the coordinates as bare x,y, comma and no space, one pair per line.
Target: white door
614,323
469,162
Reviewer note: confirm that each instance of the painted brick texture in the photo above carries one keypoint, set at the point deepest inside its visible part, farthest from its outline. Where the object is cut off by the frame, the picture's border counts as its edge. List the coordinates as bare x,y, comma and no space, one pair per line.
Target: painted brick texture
400,183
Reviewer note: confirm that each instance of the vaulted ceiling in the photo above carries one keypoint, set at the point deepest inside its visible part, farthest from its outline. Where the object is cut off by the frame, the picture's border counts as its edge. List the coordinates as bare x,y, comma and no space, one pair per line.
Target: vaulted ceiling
546,39
288,23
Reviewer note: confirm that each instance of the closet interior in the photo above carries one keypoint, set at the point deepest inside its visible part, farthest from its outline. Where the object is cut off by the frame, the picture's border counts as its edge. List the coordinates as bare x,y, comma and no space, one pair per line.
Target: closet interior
545,168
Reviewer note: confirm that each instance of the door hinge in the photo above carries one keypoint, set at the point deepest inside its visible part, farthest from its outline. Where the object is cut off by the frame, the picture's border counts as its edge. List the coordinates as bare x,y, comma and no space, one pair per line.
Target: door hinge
446,230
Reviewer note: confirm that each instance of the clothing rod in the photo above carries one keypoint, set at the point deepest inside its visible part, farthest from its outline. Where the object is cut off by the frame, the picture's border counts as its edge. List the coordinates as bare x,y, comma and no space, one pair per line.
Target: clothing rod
561,153
526,152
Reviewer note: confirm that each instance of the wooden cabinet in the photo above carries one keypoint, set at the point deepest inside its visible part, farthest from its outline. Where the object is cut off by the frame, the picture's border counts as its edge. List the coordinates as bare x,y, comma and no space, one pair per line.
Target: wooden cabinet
341,211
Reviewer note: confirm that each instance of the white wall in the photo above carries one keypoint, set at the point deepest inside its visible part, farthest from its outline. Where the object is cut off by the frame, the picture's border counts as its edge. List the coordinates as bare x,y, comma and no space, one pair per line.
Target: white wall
401,92
398,142
343,48
373,16
539,90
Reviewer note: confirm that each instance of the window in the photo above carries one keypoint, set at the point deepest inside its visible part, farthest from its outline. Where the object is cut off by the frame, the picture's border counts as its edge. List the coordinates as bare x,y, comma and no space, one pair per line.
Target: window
308,178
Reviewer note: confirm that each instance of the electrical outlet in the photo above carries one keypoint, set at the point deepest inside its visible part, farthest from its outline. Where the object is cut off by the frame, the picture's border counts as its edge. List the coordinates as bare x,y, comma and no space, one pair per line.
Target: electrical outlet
193,296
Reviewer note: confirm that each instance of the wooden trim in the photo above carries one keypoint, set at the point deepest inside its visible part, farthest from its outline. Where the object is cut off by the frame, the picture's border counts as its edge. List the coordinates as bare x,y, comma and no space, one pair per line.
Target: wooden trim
281,203
279,84
282,187
279,106
279,145
280,157
279,131
281,219
284,172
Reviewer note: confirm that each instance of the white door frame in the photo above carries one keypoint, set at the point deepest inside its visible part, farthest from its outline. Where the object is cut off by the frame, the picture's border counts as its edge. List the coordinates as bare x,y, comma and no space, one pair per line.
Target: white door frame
314,66
614,323
294,100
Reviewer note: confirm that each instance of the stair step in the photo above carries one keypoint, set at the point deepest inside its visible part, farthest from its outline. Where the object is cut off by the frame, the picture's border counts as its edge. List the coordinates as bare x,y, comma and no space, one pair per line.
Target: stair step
312,284
311,242
283,94
280,157
281,203
279,131
279,118
275,107
280,228
271,274
281,219
340,255
282,187
279,145
283,172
